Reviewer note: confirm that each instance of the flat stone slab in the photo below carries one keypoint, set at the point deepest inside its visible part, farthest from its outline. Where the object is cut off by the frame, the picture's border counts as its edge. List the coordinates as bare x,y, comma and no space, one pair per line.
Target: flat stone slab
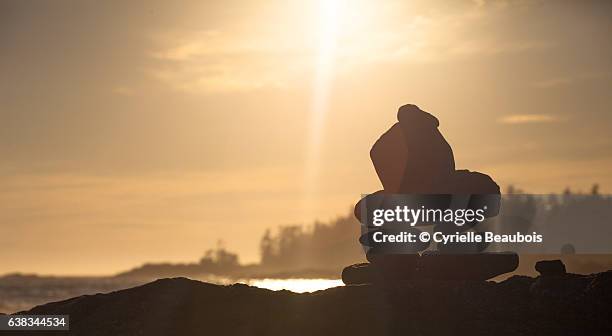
430,266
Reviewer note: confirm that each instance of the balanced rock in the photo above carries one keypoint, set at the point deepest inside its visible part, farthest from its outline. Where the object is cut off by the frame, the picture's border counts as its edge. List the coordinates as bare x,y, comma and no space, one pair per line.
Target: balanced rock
390,269
414,163
550,267
358,274
390,157
410,156
430,266
483,191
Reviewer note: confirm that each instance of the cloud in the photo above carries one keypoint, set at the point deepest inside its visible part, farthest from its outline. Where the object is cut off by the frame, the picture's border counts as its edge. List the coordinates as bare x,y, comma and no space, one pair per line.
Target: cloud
529,119
215,61
563,81
495,47
256,54
201,43
216,78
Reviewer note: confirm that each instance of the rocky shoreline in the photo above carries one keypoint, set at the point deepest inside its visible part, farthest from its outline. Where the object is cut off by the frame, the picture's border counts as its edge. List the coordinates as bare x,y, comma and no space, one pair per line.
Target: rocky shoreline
555,303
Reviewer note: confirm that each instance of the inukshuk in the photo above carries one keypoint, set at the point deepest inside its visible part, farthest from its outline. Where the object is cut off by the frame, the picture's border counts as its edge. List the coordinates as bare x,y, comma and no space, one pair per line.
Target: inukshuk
416,166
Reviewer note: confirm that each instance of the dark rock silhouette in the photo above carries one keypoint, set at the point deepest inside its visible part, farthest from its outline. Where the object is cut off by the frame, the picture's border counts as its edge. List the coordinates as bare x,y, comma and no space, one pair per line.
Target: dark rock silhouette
466,267
362,273
430,265
550,267
411,152
570,305
413,157
555,283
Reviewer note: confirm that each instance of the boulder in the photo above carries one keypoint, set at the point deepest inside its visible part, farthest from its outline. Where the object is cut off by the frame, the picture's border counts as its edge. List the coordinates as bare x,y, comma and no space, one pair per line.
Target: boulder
550,267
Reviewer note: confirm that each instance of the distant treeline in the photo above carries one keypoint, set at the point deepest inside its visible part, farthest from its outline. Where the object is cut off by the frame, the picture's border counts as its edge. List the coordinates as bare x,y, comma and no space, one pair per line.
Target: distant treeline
335,244
325,248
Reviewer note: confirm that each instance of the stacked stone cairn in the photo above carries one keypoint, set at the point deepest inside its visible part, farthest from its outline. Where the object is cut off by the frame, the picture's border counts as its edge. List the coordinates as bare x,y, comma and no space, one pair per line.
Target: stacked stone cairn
415,165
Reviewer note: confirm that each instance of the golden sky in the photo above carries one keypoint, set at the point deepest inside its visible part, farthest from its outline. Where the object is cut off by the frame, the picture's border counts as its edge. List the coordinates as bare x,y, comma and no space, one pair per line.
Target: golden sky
146,131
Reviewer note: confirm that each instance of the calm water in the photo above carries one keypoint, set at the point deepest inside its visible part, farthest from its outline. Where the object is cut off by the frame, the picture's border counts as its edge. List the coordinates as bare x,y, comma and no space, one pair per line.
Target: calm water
296,285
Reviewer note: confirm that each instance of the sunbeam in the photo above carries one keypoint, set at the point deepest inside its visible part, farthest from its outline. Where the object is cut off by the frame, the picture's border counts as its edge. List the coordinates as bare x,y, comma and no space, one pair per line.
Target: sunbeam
329,21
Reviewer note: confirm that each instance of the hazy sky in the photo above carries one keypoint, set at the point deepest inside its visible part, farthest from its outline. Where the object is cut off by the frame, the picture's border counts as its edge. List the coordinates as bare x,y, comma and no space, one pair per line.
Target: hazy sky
146,131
